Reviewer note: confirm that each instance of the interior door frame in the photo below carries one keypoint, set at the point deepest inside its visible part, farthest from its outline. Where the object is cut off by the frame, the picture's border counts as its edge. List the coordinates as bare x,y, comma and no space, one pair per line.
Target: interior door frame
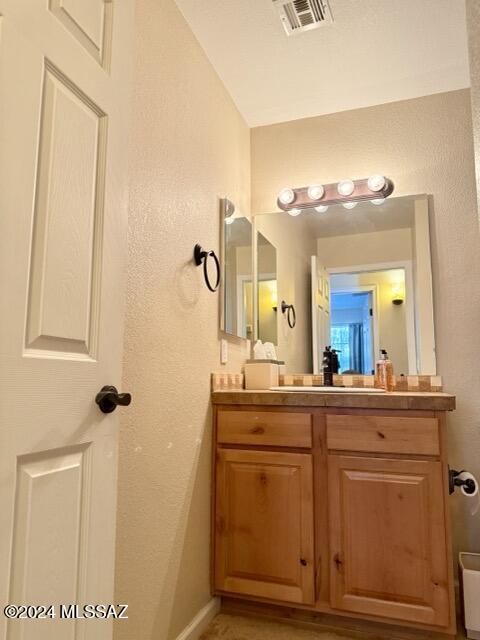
373,290
313,304
242,280
409,299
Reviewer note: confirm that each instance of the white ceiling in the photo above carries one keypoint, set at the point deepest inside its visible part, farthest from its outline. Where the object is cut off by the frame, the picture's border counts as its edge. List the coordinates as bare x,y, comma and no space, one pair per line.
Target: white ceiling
376,51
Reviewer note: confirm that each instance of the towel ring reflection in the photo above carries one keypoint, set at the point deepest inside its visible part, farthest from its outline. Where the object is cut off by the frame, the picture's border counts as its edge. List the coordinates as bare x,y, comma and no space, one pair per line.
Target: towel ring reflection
200,255
291,315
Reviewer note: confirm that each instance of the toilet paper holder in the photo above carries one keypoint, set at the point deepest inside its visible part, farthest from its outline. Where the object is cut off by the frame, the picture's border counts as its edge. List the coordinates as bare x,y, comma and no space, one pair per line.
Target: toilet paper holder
454,481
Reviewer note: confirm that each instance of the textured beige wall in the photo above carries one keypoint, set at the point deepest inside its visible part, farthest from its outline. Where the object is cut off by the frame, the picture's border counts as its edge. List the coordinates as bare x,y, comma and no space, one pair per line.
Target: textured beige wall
189,147
473,26
294,247
425,146
355,249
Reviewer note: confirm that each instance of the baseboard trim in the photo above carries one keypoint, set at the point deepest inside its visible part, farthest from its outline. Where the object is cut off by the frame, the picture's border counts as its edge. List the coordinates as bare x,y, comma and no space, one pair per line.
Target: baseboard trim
200,622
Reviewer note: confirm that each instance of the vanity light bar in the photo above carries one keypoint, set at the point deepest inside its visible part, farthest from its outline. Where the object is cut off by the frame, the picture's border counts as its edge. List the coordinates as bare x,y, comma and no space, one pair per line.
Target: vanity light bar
376,187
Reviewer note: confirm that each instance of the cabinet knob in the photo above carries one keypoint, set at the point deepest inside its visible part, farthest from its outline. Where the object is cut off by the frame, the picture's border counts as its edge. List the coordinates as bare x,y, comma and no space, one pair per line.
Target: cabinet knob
303,562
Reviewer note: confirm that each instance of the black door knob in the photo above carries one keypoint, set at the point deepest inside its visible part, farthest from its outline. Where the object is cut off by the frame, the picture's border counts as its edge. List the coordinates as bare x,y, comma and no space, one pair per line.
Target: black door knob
108,399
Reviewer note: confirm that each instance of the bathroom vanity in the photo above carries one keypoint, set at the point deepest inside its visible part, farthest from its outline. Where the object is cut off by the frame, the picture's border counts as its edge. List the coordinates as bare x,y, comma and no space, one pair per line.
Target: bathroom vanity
334,504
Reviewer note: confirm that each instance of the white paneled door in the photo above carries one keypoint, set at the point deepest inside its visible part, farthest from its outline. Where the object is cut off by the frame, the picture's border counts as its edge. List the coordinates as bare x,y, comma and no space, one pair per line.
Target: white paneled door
321,318
64,93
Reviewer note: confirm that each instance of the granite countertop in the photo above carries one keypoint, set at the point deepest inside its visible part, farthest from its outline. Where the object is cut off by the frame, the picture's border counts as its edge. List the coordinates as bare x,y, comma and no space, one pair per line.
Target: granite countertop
420,401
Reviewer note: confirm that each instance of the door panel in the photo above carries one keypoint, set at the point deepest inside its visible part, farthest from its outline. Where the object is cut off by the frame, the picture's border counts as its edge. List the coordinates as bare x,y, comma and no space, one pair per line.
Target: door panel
89,22
388,542
52,506
63,203
62,314
264,526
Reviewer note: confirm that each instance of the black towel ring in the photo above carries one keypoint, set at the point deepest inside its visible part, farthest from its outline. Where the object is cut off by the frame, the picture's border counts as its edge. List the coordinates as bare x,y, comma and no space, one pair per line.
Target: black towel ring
200,255
291,316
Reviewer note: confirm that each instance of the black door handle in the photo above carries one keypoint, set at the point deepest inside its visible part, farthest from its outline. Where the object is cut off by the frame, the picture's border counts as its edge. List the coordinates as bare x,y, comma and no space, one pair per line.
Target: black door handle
108,399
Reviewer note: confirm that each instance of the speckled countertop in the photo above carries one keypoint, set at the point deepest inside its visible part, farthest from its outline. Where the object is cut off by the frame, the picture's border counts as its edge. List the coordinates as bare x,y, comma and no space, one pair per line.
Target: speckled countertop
395,400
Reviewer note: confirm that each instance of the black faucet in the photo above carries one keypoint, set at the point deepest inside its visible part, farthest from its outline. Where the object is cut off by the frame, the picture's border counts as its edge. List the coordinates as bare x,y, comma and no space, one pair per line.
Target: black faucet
330,366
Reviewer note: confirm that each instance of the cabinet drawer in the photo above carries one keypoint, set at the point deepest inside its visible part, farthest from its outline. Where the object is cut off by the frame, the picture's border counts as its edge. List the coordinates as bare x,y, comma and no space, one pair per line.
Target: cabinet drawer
383,434
275,428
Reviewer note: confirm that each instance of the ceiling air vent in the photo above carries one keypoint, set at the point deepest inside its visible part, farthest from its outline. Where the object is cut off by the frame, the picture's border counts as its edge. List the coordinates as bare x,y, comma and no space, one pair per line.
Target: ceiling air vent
302,15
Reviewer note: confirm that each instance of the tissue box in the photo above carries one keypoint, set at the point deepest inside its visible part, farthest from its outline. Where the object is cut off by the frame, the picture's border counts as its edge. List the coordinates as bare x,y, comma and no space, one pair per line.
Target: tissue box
261,375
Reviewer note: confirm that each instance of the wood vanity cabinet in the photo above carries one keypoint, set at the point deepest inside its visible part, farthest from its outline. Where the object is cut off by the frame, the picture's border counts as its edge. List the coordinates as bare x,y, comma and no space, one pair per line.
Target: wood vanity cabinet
338,511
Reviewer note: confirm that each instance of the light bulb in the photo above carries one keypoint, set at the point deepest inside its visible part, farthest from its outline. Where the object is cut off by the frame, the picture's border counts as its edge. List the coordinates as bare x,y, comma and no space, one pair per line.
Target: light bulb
315,192
229,208
378,201
376,182
398,293
323,208
294,212
349,205
286,196
345,188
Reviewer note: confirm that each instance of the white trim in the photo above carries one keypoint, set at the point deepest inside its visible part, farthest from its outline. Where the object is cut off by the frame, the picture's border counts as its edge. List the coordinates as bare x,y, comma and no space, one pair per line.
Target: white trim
255,233
200,622
241,310
313,296
373,266
409,301
424,316
263,277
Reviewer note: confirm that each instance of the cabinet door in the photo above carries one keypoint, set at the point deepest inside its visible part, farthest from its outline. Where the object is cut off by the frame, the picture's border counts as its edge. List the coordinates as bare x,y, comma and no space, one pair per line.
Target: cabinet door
264,525
387,539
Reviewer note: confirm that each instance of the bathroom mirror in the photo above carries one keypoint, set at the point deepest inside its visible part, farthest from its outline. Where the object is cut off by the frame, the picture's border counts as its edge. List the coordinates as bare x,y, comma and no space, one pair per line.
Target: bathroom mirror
360,280
236,257
267,298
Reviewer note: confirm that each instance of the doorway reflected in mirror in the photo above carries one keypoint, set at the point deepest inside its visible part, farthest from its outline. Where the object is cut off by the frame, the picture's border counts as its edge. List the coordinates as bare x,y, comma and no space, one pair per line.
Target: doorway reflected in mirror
365,319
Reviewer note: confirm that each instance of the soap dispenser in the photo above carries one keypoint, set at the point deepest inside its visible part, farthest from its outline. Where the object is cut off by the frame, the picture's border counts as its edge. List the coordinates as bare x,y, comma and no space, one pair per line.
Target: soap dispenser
384,372
328,366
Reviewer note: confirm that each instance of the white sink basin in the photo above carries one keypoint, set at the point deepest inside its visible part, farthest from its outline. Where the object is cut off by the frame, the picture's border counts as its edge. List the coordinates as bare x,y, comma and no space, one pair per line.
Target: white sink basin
329,389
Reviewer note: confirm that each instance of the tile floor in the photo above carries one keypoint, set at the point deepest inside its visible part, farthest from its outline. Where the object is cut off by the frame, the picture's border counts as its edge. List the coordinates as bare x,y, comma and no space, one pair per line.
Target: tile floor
236,627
